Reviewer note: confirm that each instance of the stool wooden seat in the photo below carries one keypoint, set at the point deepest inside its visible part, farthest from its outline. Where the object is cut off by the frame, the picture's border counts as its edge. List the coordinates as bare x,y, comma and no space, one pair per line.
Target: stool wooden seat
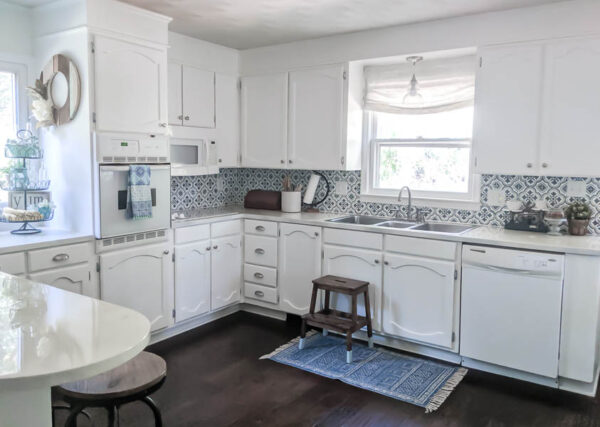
134,380
339,321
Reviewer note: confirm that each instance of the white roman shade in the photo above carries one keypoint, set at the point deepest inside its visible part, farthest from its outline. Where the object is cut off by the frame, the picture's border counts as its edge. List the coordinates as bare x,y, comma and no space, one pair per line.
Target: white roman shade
444,83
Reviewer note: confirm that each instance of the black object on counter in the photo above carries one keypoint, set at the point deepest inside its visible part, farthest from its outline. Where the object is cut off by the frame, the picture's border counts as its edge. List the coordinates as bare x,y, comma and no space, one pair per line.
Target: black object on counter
263,199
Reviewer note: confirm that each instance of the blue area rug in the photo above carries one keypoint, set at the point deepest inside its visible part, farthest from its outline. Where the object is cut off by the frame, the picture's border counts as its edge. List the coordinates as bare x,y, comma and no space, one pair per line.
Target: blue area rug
418,381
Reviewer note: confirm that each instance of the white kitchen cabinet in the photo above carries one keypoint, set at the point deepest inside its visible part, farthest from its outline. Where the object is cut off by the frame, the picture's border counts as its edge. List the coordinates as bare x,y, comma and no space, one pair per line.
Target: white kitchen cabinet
140,278
13,263
175,86
130,87
316,118
264,102
418,299
76,279
299,265
228,120
507,109
359,264
192,279
571,108
191,96
226,268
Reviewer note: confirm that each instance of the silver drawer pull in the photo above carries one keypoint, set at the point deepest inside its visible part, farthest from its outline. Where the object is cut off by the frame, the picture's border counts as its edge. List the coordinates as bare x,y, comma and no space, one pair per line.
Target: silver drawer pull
259,251
259,275
259,228
60,257
259,293
208,248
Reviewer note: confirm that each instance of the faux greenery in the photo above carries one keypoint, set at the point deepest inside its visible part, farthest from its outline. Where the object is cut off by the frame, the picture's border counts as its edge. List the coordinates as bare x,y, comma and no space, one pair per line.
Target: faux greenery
578,210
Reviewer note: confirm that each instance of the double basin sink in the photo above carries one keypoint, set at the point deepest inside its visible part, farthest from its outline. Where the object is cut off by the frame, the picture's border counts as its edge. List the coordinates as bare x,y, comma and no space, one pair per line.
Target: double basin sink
386,222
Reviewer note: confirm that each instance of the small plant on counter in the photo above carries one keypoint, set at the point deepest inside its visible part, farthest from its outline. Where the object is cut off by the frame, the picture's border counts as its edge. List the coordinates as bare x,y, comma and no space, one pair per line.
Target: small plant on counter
578,215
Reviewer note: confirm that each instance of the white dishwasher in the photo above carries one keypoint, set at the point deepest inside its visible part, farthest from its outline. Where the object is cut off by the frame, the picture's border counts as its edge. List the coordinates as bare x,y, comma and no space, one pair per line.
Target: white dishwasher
511,308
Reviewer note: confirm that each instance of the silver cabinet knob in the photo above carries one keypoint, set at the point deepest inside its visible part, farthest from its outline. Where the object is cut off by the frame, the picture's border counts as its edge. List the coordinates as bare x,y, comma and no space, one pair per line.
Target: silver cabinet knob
316,234
60,257
187,117
166,252
386,263
282,161
529,165
290,161
259,275
376,261
544,165
220,160
208,248
259,251
180,117
259,228
259,293
215,247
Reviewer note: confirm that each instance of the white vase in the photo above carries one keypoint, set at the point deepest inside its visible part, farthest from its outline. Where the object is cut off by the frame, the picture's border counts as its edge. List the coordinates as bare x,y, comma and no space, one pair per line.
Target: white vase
291,201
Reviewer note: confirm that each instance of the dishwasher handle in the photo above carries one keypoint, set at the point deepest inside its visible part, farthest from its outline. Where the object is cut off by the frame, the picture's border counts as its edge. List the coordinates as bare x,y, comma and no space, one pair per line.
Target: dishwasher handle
494,268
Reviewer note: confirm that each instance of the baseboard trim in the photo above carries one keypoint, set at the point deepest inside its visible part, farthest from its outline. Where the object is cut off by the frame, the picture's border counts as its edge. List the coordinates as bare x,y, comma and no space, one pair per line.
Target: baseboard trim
263,311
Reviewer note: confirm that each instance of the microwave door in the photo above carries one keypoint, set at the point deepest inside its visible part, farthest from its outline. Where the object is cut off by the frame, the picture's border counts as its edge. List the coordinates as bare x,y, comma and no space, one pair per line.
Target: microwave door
113,201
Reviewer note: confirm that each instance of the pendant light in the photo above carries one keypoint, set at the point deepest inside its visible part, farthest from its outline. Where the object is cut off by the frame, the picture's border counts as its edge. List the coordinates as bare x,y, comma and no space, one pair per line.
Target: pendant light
413,97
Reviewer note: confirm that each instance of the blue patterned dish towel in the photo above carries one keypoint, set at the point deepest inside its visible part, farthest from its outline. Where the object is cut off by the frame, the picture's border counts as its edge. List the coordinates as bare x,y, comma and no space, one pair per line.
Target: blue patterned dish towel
139,195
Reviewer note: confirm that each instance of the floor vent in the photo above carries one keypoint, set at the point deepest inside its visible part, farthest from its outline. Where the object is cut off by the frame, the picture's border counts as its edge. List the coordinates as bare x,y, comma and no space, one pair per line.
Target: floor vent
107,159
141,159
107,242
153,159
160,233
119,159
151,235
130,238
118,240
140,236
131,159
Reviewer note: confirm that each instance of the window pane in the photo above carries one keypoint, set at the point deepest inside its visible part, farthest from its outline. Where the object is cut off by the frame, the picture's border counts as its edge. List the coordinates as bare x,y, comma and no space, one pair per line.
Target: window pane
8,114
457,124
424,169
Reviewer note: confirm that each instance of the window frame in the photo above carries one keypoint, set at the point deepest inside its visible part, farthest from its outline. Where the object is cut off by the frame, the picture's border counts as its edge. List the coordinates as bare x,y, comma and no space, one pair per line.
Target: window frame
370,169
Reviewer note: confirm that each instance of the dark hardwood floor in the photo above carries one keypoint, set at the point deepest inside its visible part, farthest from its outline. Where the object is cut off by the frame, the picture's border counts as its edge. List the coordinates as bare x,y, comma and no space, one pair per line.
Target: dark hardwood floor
214,378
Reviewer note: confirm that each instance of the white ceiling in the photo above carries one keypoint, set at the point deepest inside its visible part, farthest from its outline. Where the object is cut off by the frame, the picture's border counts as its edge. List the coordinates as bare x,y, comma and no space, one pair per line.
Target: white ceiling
244,24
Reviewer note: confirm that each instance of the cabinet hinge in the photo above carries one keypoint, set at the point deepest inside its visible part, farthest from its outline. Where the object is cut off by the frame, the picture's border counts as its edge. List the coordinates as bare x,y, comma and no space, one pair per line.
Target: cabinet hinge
453,336
173,313
89,275
173,256
240,158
93,45
455,274
345,75
239,85
342,160
94,117
475,161
98,267
480,61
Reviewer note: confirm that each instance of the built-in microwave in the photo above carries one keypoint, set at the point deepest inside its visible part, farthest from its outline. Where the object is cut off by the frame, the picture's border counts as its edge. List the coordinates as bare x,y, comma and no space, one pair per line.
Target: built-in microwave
193,157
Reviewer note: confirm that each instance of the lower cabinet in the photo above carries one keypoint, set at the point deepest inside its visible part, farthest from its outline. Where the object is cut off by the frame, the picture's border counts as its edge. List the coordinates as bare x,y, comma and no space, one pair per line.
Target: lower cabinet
192,279
140,278
299,264
359,264
418,299
74,279
226,268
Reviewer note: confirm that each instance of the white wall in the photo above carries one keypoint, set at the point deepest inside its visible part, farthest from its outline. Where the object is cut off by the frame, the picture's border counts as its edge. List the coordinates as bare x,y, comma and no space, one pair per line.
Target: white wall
15,32
68,148
201,54
577,17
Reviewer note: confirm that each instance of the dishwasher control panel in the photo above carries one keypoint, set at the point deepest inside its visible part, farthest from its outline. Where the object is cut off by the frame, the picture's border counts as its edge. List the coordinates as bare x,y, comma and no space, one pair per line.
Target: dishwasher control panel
513,259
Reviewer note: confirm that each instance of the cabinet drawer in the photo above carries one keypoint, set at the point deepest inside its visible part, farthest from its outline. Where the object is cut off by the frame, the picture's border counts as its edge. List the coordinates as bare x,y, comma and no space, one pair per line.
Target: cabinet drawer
226,228
261,250
13,263
261,293
192,234
58,257
359,239
258,274
421,247
265,228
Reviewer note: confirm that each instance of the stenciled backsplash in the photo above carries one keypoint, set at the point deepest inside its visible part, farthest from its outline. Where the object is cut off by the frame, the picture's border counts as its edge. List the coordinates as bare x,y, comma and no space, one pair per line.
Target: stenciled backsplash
231,185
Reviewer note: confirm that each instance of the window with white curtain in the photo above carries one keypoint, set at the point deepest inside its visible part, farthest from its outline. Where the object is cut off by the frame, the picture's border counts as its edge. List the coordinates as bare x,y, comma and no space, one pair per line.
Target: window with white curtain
420,129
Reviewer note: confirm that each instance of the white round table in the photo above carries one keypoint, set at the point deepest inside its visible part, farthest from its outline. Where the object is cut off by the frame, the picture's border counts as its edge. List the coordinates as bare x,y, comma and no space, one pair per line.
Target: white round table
49,336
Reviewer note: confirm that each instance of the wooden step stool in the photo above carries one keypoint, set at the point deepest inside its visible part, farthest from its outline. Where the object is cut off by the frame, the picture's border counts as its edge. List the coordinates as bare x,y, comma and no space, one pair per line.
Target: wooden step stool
339,321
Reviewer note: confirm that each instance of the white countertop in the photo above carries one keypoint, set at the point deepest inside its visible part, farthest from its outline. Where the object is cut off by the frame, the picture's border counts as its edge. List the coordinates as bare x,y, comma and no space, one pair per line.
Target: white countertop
48,237
481,235
49,336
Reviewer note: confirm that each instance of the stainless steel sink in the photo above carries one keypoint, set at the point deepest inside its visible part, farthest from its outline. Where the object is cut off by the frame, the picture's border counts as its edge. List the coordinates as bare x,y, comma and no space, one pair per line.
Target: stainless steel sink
443,228
359,219
396,224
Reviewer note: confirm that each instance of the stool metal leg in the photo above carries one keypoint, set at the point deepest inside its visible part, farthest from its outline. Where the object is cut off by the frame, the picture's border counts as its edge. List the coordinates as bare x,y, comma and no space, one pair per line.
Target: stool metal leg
302,334
111,415
325,332
157,417
349,347
72,418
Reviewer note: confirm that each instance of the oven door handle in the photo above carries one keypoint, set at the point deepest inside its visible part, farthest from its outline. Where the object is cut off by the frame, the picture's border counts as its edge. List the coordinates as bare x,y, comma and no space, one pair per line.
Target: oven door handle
126,168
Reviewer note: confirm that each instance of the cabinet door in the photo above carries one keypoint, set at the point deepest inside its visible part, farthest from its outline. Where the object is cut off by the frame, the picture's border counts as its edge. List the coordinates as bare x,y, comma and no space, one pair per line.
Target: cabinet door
507,105
571,109
315,118
360,264
299,265
130,87
264,120
228,121
175,95
226,271
198,97
418,299
140,278
74,279
192,280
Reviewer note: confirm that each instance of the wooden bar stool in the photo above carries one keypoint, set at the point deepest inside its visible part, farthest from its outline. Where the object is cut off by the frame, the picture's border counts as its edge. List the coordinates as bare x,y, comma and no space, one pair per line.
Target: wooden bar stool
134,380
339,321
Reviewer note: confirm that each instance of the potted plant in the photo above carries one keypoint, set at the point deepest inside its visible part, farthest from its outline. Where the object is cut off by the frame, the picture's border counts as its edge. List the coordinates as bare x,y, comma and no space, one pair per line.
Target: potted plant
578,215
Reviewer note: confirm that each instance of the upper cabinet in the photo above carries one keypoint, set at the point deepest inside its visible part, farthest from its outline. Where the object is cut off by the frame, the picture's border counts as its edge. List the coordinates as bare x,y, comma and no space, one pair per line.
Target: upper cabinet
303,119
264,120
191,96
130,82
536,108
227,132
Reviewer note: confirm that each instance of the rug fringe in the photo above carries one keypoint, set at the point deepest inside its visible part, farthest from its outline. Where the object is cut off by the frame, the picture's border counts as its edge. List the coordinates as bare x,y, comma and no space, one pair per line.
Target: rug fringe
295,341
442,394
